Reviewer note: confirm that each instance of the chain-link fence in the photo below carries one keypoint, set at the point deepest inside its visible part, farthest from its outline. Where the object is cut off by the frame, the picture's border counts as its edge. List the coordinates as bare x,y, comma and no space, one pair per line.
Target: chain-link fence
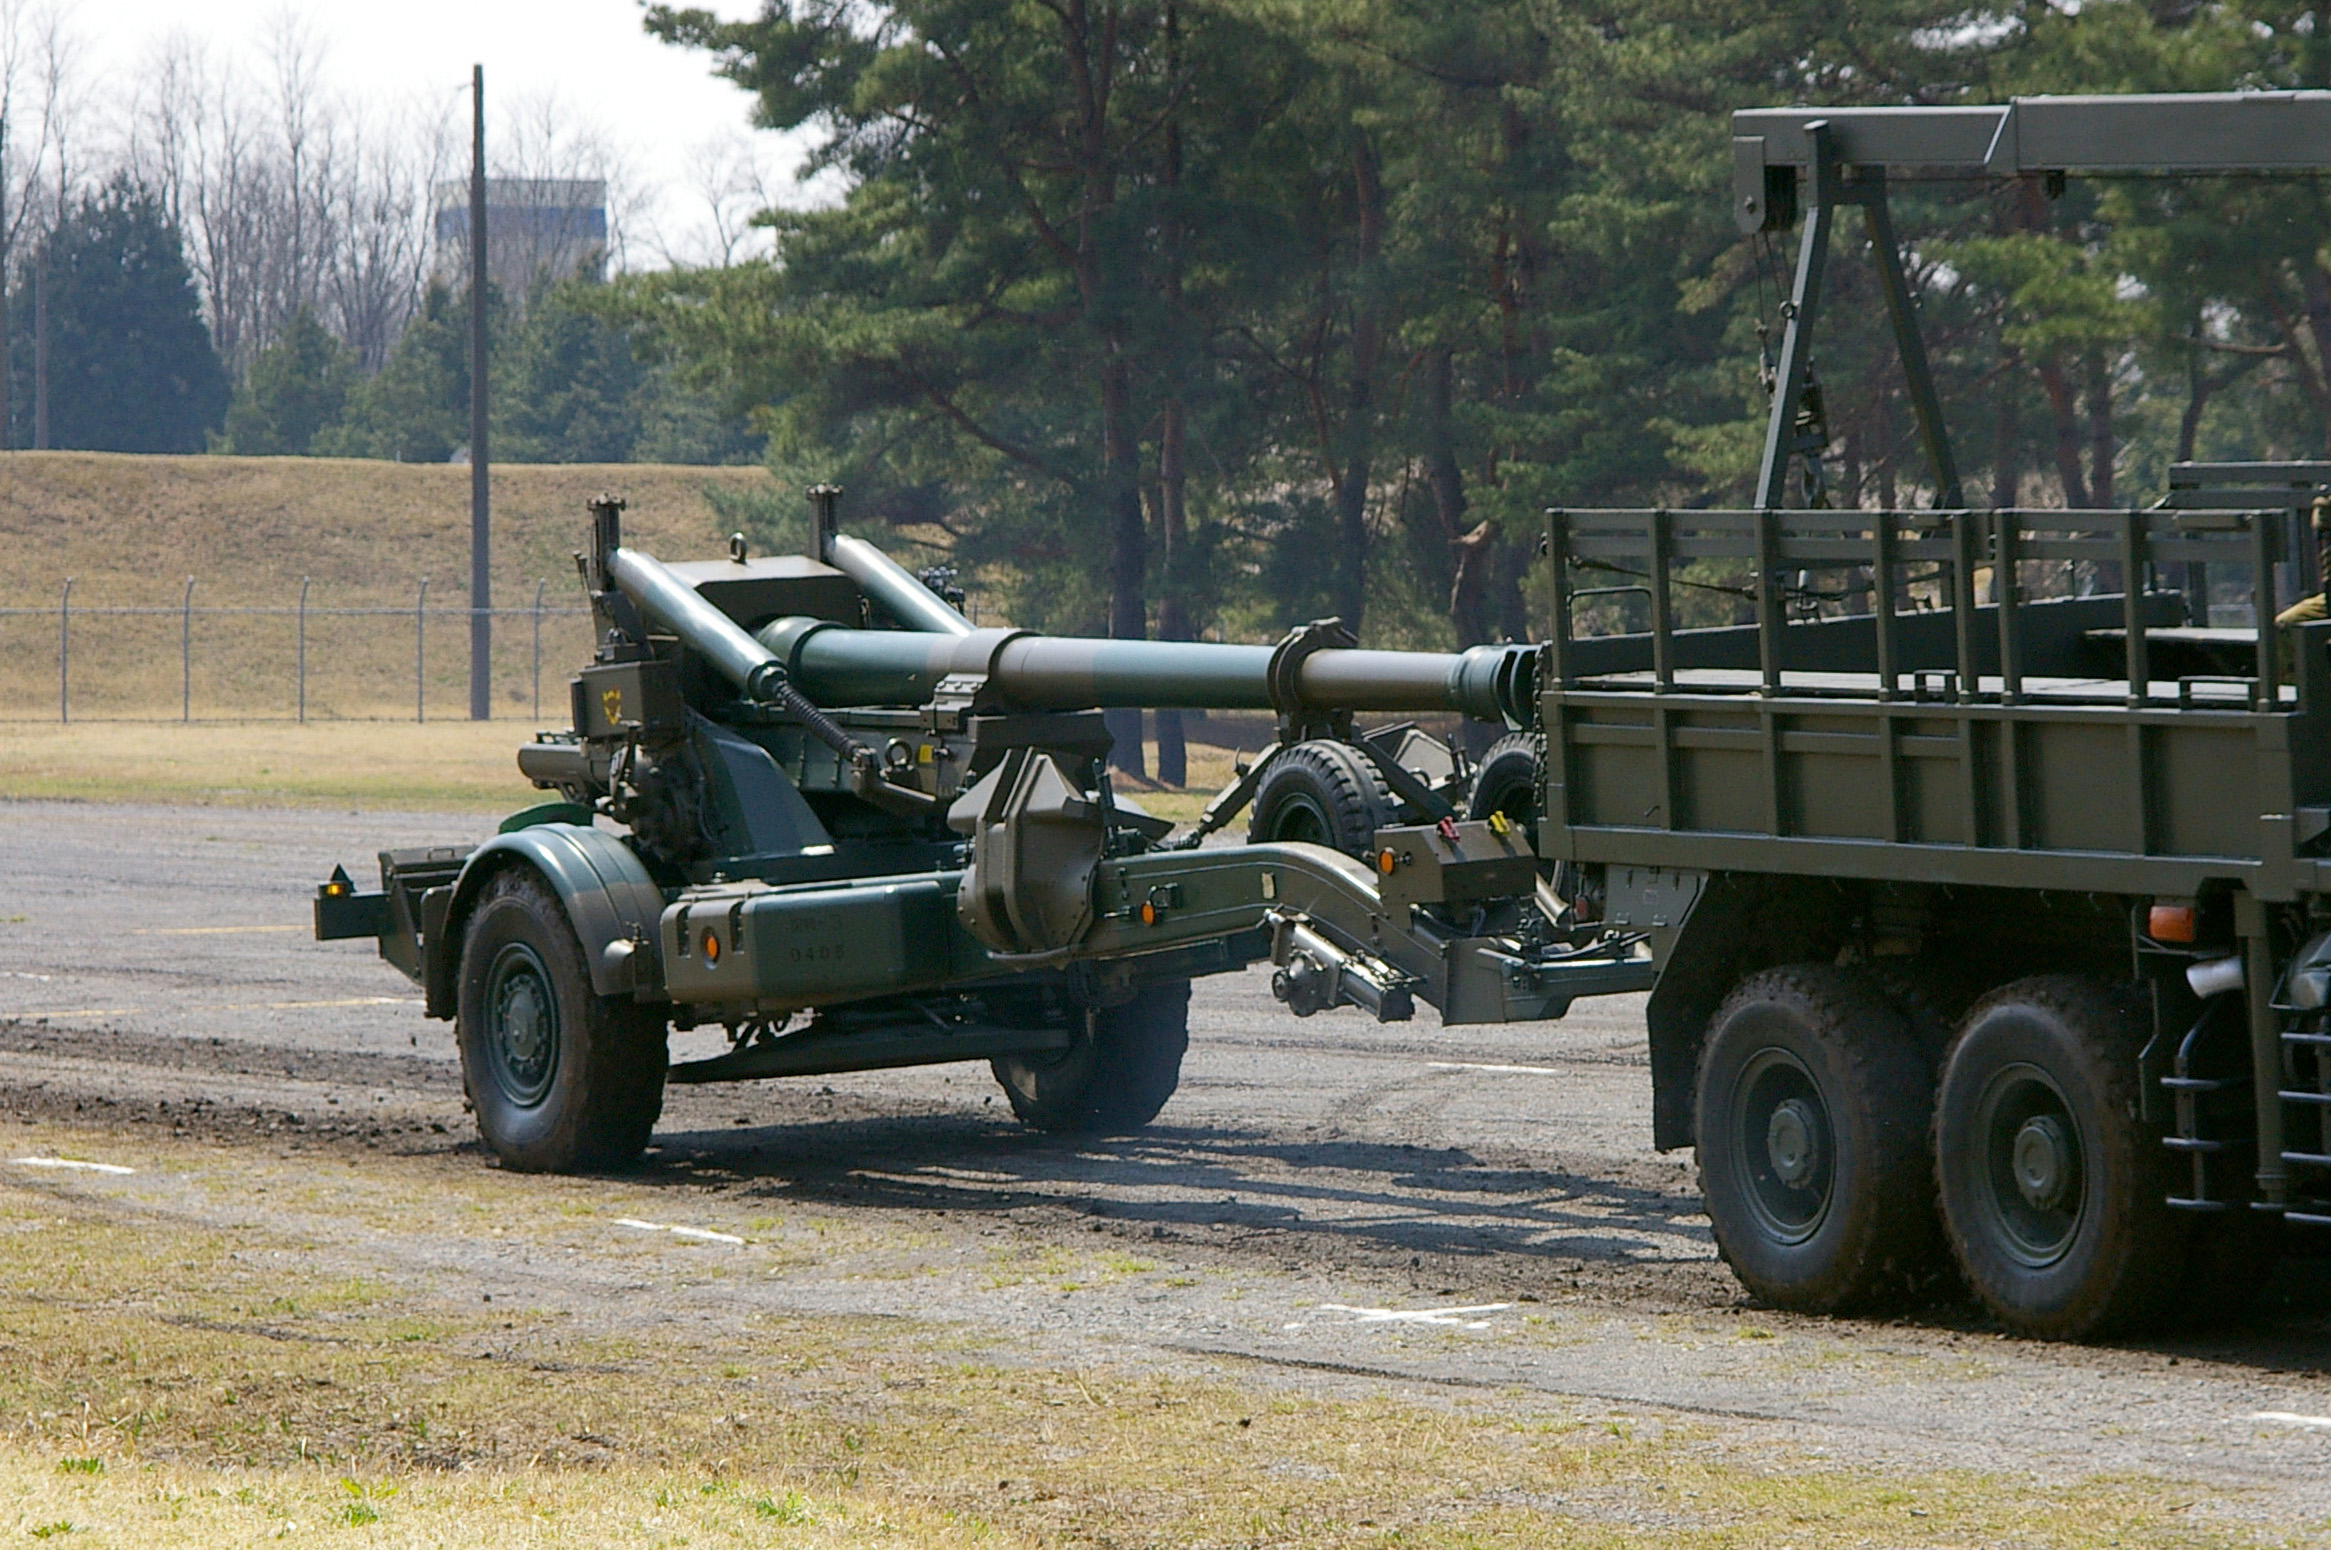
308,657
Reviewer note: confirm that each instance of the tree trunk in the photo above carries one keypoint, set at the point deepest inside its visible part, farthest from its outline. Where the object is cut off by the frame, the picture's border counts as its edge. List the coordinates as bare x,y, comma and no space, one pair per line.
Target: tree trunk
2197,400
1353,467
2067,417
1091,62
2100,447
1128,537
2007,438
1468,550
1173,619
1889,493
2317,286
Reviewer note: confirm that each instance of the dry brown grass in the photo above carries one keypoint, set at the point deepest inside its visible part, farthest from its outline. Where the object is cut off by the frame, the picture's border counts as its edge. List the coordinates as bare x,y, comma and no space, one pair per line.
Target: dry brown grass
170,1382
131,528
439,766
449,766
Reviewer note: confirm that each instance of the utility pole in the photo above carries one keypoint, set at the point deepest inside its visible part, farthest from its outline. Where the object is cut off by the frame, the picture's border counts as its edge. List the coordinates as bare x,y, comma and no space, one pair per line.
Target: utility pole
481,596
7,409
40,348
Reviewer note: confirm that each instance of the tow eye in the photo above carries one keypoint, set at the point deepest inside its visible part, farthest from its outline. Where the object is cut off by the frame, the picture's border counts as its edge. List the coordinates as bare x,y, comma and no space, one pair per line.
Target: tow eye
1315,974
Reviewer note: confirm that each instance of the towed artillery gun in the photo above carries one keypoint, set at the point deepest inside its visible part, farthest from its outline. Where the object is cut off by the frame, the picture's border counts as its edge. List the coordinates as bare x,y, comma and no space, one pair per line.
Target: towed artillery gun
858,832
1974,917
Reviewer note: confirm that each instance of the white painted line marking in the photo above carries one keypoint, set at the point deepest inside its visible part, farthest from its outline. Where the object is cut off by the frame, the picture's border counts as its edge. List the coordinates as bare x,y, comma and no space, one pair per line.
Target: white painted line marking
2316,1423
72,1163
1469,1065
222,1006
706,1234
207,930
293,1006
1449,1318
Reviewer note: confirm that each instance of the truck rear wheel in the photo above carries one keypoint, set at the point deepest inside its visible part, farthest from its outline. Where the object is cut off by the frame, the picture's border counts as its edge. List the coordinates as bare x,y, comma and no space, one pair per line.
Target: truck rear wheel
2054,1194
1123,1065
1813,1111
1320,793
562,1079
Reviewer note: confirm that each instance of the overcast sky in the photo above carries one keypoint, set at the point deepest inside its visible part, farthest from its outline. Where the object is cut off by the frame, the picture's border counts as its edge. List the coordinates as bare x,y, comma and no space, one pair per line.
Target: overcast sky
659,106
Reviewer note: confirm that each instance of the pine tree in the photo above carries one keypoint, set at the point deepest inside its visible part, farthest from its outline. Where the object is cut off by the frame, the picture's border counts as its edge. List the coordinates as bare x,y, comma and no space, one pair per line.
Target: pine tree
297,387
130,365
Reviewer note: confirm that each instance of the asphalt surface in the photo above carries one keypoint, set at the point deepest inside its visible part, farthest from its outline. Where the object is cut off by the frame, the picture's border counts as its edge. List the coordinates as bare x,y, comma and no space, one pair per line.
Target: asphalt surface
1476,1208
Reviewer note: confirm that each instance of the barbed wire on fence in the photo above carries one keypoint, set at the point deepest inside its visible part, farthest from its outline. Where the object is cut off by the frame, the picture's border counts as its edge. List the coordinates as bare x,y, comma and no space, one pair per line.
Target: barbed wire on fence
418,613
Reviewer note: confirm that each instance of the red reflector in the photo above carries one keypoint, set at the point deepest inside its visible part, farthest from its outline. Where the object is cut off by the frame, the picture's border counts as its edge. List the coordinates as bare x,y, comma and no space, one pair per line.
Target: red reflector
2170,923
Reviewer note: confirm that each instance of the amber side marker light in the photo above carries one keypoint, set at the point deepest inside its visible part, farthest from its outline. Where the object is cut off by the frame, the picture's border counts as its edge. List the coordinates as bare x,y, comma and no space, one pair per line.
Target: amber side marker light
2170,923
1149,914
1386,861
711,947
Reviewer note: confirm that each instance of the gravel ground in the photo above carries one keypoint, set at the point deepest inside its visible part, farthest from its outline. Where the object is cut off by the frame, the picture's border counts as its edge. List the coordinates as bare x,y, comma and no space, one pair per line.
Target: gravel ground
1471,1207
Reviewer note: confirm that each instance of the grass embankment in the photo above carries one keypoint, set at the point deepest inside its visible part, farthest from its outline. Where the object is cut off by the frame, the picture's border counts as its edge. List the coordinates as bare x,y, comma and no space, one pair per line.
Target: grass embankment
130,530
281,1387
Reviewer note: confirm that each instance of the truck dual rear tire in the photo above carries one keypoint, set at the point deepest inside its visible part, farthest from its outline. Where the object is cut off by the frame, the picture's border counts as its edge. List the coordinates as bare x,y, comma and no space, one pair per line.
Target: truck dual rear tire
562,1079
2053,1191
1813,1108
1124,1063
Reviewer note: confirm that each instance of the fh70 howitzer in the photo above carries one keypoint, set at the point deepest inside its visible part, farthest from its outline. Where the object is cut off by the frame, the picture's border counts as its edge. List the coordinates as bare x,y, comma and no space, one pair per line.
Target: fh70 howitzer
860,832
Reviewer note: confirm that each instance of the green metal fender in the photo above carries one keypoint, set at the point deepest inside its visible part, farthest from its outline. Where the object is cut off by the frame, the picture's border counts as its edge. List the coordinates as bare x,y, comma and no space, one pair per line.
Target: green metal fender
610,900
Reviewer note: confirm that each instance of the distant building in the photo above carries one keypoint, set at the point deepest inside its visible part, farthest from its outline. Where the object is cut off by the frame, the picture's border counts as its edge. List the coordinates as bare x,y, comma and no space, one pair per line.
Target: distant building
533,225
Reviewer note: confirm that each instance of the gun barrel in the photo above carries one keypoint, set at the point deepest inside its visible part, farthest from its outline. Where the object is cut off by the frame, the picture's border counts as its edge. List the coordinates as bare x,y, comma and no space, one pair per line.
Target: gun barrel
837,666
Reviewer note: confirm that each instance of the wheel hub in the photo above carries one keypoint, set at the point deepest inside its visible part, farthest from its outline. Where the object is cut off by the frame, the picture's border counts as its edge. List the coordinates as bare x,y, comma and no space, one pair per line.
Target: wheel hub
1780,1136
2033,1169
522,1025
1792,1142
2042,1161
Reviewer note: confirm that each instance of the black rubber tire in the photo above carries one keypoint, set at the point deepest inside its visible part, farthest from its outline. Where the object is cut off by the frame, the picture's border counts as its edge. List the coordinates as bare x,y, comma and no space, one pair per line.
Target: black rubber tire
562,1079
1125,1063
1321,793
1813,1116
1509,780
1930,998
2041,1086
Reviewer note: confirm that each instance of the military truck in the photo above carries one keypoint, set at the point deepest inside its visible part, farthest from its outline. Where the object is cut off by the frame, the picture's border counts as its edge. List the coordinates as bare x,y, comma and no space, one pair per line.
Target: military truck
1978,881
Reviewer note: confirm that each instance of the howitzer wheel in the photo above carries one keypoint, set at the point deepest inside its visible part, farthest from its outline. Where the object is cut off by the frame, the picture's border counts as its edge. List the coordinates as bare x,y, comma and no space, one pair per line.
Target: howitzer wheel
2054,1192
1321,793
1510,780
562,1079
1813,1106
1123,1065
